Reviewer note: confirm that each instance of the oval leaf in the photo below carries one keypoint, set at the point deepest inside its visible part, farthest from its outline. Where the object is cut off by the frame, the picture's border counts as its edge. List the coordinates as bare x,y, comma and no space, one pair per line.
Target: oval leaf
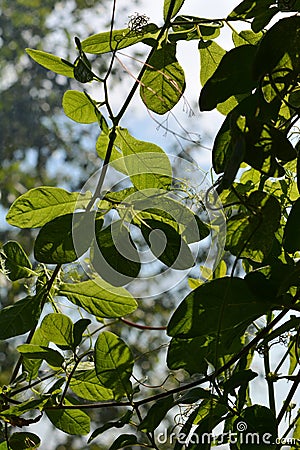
19,318
113,364
99,298
78,107
114,255
40,205
71,421
52,62
16,262
54,243
163,82
58,328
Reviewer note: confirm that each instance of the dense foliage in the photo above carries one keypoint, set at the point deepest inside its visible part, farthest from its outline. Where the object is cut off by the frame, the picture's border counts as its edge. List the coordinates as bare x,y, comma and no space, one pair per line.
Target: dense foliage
89,248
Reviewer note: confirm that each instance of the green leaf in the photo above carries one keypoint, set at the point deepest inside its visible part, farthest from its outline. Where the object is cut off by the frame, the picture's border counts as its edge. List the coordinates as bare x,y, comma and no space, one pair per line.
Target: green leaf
54,243
52,357
210,414
79,328
113,364
250,234
167,245
248,9
181,352
118,39
171,8
85,384
262,20
51,62
279,48
31,366
158,205
16,262
246,37
156,414
124,441
78,107
264,146
214,308
181,355
232,76
24,407
114,255
240,378
210,56
116,159
40,205
291,238
261,421
58,328
193,396
147,164
188,28
19,318
251,118
163,82
113,424
24,441
71,421
99,298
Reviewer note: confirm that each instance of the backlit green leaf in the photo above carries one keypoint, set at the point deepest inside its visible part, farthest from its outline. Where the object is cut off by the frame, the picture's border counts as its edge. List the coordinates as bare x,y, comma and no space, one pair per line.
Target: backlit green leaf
51,356
58,328
86,385
163,82
78,107
246,37
248,9
16,262
210,56
147,164
52,62
99,298
19,318
40,205
171,8
24,407
31,366
71,421
118,39
113,364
